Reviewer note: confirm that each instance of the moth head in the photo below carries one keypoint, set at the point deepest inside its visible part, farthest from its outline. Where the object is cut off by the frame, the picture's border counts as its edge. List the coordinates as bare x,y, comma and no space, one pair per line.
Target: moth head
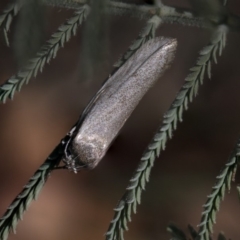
84,152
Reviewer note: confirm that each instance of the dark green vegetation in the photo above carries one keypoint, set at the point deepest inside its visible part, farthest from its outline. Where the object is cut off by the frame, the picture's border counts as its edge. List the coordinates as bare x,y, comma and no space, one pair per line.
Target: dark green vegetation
212,15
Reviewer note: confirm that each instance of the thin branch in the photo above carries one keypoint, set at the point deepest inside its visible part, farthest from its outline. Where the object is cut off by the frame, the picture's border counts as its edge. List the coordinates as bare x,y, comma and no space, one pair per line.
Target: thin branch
7,16
139,11
167,13
30,192
132,196
47,52
212,205
65,3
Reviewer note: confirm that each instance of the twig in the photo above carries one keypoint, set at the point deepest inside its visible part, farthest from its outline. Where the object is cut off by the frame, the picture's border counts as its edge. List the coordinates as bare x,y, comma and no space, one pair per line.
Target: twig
65,3
47,52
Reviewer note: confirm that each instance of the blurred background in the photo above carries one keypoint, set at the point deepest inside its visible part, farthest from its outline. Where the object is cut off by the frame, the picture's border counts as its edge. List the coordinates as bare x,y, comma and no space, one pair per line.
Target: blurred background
80,206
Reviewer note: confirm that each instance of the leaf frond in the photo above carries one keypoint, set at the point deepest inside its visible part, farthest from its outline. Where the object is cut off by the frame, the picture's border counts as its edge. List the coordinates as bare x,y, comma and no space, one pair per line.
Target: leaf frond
212,204
47,52
29,193
131,198
7,16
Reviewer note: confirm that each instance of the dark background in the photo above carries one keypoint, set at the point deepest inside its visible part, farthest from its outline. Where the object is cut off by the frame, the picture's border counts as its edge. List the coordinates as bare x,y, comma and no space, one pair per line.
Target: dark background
81,206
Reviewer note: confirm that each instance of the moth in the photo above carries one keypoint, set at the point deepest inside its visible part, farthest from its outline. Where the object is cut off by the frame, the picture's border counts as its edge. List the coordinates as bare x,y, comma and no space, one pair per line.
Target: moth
112,105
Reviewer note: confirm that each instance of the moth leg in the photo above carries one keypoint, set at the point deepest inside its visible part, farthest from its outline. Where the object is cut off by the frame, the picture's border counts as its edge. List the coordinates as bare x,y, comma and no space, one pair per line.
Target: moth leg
60,167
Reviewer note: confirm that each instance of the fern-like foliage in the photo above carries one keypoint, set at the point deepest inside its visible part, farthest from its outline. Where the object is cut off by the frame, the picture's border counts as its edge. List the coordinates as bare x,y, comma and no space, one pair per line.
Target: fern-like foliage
30,192
218,191
147,33
7,16
132,196
47,52
178,234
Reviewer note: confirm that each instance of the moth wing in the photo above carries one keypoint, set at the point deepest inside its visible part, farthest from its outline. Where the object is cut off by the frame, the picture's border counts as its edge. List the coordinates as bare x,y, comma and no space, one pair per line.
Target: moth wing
89,107
132,64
